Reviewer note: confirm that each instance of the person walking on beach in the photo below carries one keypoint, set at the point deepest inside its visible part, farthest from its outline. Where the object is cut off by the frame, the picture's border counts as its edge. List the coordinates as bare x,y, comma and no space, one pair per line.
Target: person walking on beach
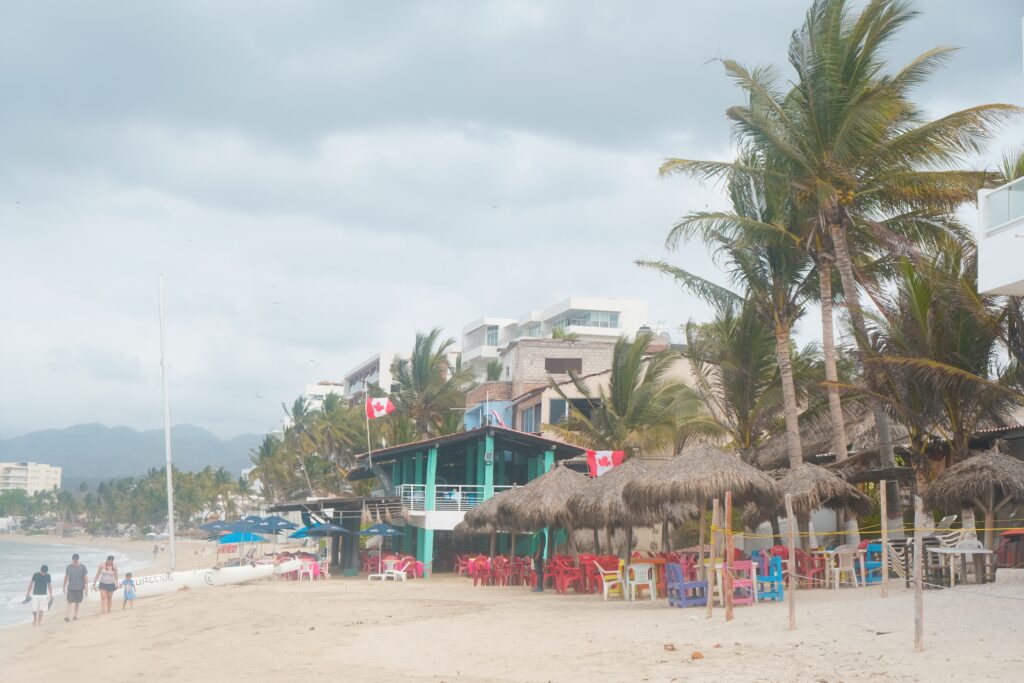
156,550
41,588
129,591
75,576
538,563
106,575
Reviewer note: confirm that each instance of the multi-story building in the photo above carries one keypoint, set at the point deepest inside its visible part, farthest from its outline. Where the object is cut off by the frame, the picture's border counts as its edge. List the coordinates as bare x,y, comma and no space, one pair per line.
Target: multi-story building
316,393
31,477
1001,239
375,370
487,339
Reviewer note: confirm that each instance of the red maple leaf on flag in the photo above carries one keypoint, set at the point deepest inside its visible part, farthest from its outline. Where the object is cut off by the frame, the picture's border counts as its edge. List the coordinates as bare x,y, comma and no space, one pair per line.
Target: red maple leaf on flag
378,406
605,461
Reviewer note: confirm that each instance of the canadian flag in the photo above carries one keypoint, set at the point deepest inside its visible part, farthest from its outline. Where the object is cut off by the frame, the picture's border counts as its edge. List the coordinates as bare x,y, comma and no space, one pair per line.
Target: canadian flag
602,461
379,407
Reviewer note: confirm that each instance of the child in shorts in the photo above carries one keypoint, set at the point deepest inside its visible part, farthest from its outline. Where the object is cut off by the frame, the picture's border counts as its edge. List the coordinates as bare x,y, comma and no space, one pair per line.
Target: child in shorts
129,591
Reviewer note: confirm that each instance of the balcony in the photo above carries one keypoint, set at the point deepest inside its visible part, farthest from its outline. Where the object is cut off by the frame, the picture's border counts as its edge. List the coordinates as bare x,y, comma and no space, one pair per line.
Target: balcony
1001,239
446,498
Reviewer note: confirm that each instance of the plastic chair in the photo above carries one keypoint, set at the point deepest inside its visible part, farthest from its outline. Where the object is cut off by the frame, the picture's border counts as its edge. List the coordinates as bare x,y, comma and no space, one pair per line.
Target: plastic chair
641,575
743,588
760,558
771,584
873,562
683,593
482,571
611,581
811,569
845,556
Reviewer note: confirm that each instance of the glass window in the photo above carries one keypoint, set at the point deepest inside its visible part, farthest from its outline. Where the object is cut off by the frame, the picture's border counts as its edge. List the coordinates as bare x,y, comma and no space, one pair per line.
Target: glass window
492,336
557,408
531,419
563,366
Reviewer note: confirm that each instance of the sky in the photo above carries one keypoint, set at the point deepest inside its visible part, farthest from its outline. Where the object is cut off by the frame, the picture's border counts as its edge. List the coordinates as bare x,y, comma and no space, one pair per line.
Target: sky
320,180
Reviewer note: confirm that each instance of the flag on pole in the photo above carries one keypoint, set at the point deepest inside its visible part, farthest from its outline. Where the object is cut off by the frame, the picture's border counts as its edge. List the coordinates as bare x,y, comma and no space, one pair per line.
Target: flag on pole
379,407
497,418
602,461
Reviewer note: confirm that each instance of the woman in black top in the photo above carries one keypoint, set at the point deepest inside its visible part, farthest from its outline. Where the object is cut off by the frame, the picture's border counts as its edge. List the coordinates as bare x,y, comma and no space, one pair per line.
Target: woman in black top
41,588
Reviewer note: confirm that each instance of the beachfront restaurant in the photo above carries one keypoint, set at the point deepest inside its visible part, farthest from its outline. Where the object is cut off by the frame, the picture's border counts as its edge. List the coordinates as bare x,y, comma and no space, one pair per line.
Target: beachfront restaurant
438,480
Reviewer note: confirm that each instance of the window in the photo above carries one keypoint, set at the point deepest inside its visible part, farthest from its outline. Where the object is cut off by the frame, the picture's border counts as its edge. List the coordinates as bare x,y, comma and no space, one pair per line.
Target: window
606,319
557,411
533,330
562,366
492,336
531,419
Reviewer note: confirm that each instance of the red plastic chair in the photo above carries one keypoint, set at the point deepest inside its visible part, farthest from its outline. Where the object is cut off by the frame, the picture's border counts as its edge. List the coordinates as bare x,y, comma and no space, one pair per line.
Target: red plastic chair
482,572
811,570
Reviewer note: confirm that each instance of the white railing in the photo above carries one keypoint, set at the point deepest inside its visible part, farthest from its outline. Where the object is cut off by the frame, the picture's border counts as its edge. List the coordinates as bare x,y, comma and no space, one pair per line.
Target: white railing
457,498
1004,205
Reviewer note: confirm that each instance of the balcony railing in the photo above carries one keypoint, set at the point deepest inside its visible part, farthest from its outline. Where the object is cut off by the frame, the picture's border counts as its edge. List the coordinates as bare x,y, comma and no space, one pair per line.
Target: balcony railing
446,498
1004,205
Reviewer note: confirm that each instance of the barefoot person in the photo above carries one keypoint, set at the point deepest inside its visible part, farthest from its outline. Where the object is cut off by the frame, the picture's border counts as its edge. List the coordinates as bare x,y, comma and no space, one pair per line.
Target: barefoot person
75,576
129,591
41,588
106,575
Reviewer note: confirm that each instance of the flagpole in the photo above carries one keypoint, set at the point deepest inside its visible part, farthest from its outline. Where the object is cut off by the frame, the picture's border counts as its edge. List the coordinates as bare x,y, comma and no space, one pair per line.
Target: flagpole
366,411
167,425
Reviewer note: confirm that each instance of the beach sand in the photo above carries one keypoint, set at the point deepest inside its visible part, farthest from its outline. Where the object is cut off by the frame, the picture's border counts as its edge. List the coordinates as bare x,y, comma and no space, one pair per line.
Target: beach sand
444,629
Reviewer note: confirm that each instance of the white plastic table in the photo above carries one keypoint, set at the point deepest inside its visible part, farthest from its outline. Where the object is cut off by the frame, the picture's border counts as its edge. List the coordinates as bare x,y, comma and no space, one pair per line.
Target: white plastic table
829,555
949,554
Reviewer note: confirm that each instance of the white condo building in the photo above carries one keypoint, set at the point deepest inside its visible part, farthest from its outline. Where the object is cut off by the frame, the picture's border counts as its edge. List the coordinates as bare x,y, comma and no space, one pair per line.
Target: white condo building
375,370
31,477
590,319
1001,239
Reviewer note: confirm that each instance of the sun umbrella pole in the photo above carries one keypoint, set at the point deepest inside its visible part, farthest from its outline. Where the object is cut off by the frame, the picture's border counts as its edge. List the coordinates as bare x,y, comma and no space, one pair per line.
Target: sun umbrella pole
629,556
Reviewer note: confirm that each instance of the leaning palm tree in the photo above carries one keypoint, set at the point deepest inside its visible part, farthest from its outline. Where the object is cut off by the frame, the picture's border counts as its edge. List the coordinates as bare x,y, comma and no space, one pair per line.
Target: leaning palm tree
852,146
638,411
429,385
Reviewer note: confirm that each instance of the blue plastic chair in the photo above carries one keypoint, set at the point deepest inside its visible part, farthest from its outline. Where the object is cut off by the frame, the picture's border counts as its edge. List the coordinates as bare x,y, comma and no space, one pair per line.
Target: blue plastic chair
683,593
761,559
873,563
770,586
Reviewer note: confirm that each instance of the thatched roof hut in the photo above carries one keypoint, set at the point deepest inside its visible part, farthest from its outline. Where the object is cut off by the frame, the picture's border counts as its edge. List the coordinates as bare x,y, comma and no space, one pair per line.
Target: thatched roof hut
485,515
599,504
989,481
542,502
698,474
812,488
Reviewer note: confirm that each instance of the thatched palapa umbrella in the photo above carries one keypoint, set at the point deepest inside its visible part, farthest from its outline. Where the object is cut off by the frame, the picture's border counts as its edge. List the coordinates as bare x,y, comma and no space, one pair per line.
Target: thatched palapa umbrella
542,502
599,504
811,488
988,480
484,517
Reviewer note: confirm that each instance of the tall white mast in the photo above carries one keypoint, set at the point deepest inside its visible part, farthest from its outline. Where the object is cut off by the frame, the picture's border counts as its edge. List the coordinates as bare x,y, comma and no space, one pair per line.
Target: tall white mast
167,424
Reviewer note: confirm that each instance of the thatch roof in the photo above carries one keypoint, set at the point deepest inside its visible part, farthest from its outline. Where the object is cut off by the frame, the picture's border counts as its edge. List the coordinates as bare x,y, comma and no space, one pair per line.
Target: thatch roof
813,487
599,504
464,529
485,515
816,435
971,481
542,502
698,474
585,541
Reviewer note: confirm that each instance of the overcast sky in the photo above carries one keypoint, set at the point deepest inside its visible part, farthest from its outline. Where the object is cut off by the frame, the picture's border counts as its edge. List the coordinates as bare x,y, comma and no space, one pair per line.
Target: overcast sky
318,180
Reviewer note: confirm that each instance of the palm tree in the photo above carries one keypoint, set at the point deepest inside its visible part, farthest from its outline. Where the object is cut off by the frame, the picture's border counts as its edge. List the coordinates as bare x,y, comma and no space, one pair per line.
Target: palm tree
775,274
851,145
269,468
429,386
494,369
640,409
298,436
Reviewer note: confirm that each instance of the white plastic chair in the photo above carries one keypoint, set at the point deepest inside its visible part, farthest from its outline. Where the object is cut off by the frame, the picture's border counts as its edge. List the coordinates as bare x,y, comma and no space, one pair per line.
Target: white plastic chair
306,570
611,580
640,575
844,557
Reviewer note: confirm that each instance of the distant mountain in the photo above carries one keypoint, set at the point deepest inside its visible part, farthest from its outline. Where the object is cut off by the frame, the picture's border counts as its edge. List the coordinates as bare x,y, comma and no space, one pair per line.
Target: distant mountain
93,452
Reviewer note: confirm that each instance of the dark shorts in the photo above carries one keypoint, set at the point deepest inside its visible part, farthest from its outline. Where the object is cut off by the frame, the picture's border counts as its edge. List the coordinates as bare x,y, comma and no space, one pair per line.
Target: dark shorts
108,587
75,596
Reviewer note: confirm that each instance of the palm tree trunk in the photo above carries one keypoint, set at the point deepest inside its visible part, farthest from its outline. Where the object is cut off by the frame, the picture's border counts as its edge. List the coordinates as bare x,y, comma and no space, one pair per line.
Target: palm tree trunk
792,410
665,537
845,265
597,542
828,344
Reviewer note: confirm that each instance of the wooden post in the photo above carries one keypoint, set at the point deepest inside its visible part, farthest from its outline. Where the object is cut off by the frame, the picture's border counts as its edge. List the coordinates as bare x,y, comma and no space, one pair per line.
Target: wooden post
918,588
597,542
791,533
627,590
711,560
883,503
494,542
701,569
729,556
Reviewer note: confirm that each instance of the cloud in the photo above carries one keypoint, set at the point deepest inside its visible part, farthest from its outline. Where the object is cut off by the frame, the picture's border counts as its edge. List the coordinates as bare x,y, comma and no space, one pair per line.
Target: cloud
321,181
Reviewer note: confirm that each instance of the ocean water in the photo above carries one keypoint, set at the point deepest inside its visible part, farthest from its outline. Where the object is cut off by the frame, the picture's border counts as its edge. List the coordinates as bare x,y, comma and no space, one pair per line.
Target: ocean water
18,561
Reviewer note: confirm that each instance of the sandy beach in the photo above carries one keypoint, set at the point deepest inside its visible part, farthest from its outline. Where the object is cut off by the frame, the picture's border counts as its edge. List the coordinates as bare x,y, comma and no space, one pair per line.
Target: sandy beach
444,629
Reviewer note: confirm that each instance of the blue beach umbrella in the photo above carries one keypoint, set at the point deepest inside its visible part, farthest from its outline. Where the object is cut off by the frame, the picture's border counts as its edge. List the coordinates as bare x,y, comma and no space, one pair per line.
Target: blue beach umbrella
216,525
327,530
241,537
